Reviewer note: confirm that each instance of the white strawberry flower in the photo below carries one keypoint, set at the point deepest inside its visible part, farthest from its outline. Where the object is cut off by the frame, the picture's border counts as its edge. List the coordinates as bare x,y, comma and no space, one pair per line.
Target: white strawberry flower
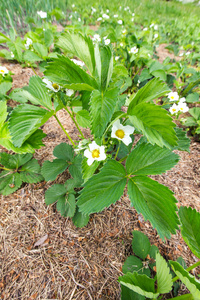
155,36
182,106
3,70
122,132
42,14
96,38
115,16
117,57
173,96
50,85
95,152
152,25
156,27
181,100
12,54
69,92
99,19
106,41
174,109
134,50
120,22
28,43
105,16
145,29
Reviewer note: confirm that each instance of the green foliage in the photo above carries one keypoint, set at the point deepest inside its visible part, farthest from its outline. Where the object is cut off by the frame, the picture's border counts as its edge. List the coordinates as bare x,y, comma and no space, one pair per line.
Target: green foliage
140,244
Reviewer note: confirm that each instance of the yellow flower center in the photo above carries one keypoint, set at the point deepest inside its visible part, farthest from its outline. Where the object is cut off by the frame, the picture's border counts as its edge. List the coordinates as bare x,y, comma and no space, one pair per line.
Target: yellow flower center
95,153
120,133
55,86
2,71
172,97
173,109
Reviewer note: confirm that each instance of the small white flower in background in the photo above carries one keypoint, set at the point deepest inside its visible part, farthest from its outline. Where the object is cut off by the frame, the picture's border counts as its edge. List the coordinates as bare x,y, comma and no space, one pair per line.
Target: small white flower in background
133,14
104,16
126,8
151,25
96,38
149,55
73,5
99,19
12,54
122,133
174,109
155,36
107,10
79,19
106,41
70,16
95,152
28,43
44,29
120,7
187,53
124,31
81,145
78,62
115,16
145,29
3,70
138,83
182,106
134,50
69,93
116,57
181,100
42,14
50,85
120,22
121,45
173,96
181,54
156,27
93,10
132,20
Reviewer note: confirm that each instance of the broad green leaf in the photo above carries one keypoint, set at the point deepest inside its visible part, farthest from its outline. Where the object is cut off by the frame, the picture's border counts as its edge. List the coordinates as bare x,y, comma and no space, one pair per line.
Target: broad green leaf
154,89
50,170
66,206
132,264
83,118
64,151
195,112
190,224
160,74
88,171
65,72
140,244
102,108
164,278
192,98
127,294
25,119
54,193
31,56
5,87
80,46
147,159
19,95
189,280
103,189
155,123
3,38
156,202
40,49
75,169
14,161
80,219
183,141
48,37
9,182
3,112
152,253
30,172
35,140
140,284
106,66
38,92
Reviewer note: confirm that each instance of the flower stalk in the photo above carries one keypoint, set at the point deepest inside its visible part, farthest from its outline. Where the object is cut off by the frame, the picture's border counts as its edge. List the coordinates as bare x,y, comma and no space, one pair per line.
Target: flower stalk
67,134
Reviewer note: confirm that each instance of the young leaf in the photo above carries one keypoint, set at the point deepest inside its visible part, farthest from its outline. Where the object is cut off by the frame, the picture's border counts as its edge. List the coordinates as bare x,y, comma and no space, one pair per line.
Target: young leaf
30,172
164,278
40,49
147,159
140,284
154,89
155,124
9,182
66,206
102,108
64,72
88,171
103,189
106,66
190,220
3,38
156,202
54,193
127,294
132,264
189,280
140,244
64,151
183,140
25,119
5,87
50,170
3,112
80,219
83,118
31,56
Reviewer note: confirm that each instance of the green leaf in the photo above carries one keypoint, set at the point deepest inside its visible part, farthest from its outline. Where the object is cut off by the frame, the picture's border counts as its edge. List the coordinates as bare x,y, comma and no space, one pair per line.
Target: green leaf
19,95
152,253
9,182
80,219
154,89
106,66
25,119
83,118
140,284
127,294
75,169
54,193
50,170
190,220
102,108
38,92
14,161
5,87
132,264
3,38
65,72
160,74
88,171
35,140
183,140
103,189
40,49
164,278
66,206
195,112
80,46
155,124
31,56
192,98
190,281
147,159
30,172
48,37
156,202
64,151
3,112
140,244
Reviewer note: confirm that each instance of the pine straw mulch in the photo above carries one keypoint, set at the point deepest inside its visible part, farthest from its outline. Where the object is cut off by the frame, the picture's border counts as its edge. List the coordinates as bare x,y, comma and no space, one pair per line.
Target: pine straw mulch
79,263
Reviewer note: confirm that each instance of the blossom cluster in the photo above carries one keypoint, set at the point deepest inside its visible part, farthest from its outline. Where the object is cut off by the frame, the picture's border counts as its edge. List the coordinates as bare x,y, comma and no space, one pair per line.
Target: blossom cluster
3,70
179,106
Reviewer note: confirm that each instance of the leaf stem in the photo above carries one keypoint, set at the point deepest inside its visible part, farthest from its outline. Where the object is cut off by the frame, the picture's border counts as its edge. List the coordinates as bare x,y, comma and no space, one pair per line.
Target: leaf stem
67,134
73,119
188,269
117,150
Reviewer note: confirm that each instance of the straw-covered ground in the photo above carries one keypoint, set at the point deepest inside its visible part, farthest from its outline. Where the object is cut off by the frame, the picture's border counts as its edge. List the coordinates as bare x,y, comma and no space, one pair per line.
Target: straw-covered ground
44,256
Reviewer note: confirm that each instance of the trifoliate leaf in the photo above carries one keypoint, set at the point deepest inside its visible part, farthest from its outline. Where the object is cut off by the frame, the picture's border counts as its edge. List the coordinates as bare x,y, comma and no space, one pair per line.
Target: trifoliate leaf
9,182
140,244
164,278
64,151
50,170
30,172
5,87
66,206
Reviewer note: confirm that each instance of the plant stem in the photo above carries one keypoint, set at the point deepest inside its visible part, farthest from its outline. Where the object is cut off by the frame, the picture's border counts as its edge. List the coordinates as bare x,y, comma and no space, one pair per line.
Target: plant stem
73,119
188,269
67,134
117,150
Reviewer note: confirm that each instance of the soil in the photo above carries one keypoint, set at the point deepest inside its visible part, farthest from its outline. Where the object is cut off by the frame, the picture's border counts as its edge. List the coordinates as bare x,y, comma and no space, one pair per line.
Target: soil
79,263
